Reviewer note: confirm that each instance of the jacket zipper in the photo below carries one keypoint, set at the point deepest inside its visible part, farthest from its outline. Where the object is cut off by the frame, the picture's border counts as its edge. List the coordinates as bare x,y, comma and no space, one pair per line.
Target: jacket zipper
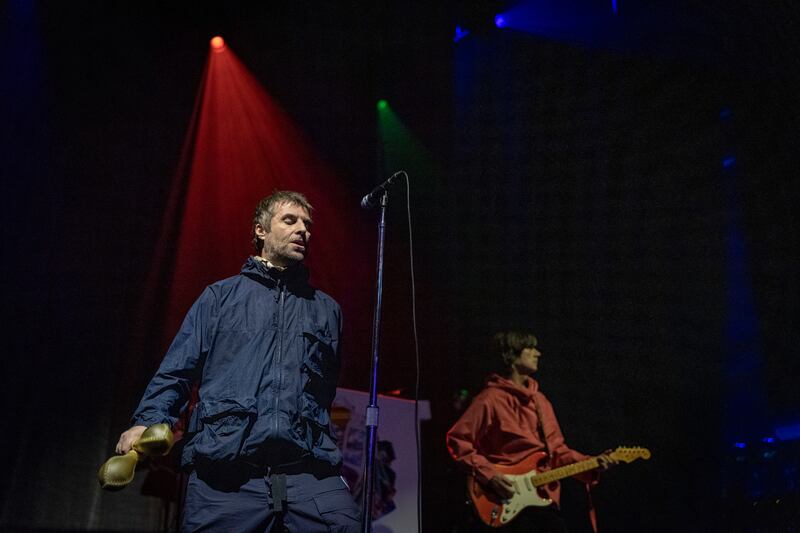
280,356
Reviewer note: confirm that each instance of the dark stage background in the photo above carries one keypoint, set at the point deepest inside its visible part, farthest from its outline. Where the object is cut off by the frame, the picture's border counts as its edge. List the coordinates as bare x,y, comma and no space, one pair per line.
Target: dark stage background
628,195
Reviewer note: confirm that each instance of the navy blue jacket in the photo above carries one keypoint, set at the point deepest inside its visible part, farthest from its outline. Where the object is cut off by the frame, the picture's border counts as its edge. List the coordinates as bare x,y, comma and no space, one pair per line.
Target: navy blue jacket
264,346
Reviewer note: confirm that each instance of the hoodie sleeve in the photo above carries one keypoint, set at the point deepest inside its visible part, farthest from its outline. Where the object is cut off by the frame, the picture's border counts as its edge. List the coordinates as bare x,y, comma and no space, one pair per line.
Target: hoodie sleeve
463,437
561,453
169,390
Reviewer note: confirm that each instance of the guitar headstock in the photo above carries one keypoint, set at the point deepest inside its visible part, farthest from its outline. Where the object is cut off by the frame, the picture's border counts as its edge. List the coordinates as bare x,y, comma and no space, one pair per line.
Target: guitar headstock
627,455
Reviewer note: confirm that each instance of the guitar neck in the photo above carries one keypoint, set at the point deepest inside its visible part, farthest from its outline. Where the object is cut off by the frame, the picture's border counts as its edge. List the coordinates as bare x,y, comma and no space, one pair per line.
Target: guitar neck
543,478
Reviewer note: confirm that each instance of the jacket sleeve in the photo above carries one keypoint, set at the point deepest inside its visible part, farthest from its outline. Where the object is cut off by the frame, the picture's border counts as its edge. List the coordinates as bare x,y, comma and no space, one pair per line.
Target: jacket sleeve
169,390
561,453
463,437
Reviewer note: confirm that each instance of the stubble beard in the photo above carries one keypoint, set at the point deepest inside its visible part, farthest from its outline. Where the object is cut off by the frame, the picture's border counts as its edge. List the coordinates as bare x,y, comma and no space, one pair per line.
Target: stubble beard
283,255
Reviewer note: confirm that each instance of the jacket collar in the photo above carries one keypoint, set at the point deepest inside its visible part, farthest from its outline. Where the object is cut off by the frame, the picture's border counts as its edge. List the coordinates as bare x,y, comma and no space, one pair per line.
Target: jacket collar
294,277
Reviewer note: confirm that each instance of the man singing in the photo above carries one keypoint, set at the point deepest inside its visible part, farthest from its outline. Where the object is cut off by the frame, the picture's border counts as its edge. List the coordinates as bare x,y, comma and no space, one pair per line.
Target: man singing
264,348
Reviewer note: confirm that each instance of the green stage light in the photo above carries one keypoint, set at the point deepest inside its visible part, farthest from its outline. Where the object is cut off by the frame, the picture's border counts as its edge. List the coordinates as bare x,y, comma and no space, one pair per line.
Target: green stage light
382,104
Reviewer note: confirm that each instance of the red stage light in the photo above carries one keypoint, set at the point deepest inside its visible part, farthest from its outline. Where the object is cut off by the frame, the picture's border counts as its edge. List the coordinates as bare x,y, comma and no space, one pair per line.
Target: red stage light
241,145
217,43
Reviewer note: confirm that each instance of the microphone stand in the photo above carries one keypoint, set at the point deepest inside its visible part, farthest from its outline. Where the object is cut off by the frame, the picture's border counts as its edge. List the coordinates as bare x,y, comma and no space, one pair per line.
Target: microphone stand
372,409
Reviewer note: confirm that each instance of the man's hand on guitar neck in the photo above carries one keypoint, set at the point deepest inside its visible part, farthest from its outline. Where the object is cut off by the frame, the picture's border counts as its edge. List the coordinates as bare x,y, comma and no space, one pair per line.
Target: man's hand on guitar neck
502,486
606,460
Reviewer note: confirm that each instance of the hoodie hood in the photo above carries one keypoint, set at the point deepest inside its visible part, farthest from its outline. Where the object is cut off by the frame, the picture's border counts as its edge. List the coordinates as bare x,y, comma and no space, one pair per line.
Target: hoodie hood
525,394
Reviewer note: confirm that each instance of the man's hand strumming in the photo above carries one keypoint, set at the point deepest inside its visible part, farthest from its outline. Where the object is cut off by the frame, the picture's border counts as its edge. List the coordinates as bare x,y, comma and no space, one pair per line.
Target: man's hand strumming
502,486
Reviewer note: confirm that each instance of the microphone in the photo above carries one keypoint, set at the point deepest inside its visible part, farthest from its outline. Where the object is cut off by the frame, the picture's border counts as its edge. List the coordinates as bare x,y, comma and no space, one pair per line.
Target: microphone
372,198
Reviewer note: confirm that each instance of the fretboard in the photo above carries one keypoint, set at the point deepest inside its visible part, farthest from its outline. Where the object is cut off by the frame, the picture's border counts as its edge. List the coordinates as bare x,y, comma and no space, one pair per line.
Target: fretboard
561,472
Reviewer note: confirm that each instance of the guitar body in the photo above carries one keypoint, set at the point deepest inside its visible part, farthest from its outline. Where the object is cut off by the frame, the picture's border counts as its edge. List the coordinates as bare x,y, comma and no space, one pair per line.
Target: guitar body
496,513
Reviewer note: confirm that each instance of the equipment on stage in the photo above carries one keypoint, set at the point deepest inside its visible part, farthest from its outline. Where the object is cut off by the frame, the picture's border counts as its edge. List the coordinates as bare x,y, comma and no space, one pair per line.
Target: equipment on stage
378,196
373,198
117,472
529,477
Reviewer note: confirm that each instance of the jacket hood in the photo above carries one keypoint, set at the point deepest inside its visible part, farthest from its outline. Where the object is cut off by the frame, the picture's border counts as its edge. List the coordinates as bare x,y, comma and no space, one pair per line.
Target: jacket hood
295,277
525,394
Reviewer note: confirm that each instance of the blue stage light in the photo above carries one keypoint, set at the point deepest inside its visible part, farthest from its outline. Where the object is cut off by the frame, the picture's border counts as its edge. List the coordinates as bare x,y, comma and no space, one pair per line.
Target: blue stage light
788,432
460,34
740,445
499,21
729,161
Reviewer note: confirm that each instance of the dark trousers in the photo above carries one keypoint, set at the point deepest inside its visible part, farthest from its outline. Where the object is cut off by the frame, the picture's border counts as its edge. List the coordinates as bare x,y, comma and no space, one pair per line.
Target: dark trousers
530,520
227,501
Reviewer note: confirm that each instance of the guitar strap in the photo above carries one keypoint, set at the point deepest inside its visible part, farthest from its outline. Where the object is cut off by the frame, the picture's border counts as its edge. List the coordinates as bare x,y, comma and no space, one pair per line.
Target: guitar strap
592,509
540,425
540,430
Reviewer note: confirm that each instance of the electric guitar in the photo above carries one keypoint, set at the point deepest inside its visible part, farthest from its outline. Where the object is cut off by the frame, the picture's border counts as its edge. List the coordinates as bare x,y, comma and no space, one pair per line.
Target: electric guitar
529,477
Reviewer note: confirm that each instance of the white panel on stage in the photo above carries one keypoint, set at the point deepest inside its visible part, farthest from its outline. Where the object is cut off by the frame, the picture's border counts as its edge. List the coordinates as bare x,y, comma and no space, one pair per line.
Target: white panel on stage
395,506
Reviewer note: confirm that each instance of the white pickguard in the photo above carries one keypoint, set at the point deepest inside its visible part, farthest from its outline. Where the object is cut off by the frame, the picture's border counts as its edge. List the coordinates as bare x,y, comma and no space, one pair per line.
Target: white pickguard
524,496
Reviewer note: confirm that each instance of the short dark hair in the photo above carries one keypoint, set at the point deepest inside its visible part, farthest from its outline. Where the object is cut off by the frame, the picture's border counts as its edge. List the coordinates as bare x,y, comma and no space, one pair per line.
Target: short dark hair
266,208
509,344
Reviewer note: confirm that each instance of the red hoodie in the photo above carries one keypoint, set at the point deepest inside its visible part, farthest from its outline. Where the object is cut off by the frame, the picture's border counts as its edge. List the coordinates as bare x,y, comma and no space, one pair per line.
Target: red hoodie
500,427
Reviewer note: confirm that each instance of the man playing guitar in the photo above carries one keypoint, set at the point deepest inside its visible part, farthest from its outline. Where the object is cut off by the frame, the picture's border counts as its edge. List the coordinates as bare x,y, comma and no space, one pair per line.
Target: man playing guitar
508,422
